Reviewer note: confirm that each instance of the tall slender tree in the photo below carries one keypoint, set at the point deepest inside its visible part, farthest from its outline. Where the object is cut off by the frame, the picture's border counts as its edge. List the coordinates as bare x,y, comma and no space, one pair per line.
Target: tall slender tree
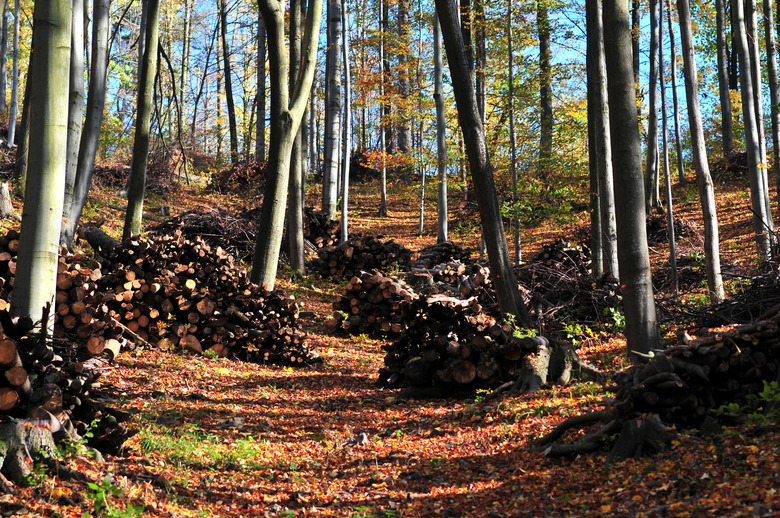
228,73
13,115
295,198
442,230
261,87
3,57
652,192
35,282
75,101
287,110
136,184
726,126
96,100
347,129
759,189
703,178
545,89
675,100
512,135
501,272
638,303
333,110
774,91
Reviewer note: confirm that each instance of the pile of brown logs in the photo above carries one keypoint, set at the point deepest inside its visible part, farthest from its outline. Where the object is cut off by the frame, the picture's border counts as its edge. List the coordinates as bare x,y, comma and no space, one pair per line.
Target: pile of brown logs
182,294
359,253
440,253
319,229
562,254
680,385
372,303
658,229
452,343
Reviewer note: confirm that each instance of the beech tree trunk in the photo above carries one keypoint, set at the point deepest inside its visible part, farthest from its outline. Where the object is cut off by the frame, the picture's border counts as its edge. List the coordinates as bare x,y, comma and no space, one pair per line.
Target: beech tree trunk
36,272
638,303
774,91
441,133
545,90
75,102
512,136
503,276
12,117
295,200
652,191
600,146
759,197
675,101
3,58
96,100
726,127
136,184
261,86
287,111
333,111
347,138
231,106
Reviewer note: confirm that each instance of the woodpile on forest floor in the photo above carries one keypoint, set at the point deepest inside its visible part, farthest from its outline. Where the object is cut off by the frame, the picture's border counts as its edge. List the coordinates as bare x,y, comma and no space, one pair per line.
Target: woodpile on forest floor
658,229
241,177
360,253
733,167
680,386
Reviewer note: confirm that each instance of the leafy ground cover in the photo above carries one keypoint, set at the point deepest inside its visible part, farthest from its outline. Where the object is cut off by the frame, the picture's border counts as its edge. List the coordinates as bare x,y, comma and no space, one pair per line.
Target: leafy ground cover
224,438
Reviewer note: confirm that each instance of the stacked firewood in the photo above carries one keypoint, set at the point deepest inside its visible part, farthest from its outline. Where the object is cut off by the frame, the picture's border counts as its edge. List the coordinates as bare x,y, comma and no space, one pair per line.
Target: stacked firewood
359,253
372,303
440,253
682,384
563,254
319,229
183,294
451,343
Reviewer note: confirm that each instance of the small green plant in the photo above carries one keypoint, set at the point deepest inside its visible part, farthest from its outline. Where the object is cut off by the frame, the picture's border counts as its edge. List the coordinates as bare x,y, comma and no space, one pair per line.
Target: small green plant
435,462
211,354
101,495
577,332
617,319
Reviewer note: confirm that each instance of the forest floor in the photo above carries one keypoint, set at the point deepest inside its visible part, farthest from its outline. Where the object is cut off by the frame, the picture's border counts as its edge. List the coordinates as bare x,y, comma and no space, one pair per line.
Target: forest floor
221,438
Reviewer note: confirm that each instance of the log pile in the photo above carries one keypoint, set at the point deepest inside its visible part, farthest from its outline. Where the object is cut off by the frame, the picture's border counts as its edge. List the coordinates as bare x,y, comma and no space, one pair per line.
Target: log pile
451,343
564,255
681,386
658,229
183,294
320,230
360,253
373,304
441,253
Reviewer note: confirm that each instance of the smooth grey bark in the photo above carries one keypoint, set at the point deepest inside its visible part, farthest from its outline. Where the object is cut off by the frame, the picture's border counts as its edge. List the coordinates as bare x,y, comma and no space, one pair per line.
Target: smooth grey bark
261,86
136,184
638,304
13,115
759,197
703,178
675,100
545,90
404,125
227,71
347,138
333,110
442,233
3,58
295,251
652,191
383,109
727,125
507,293
75,102
96,100
512,136
480,57
751,28
287,110
665,146
601,151
35,284
774,91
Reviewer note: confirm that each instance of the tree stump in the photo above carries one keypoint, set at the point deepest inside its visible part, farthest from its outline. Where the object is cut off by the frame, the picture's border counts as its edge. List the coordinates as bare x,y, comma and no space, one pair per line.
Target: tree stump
20,447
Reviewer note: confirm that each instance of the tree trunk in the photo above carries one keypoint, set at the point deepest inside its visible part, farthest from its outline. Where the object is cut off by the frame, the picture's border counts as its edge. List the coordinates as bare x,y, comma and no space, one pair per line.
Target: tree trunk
759,198
76,102
675,101
383,108
665,144
652,192
774,91
231,106
297,165
638,304
441,133
503,276
286,115
545,91
726,126
14,80
3,58
404,126
136,184
261,86
96,100
601,157
36,271
512,135
333,111
751,28
347,139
